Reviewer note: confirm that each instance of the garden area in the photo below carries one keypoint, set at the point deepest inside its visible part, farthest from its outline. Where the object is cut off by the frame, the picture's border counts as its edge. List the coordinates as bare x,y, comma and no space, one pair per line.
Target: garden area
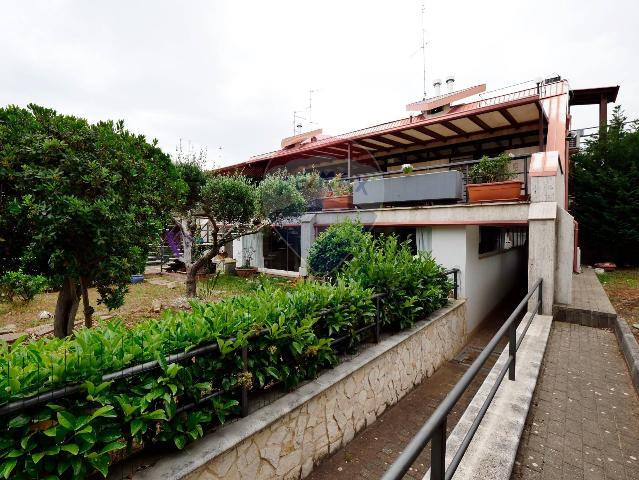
114,367
622,287
143,300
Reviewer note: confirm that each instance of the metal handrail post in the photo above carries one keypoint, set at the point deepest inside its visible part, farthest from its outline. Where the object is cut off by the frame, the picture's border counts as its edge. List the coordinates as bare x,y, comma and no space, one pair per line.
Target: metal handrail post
244,399
377,321
512,350
438,452
455,294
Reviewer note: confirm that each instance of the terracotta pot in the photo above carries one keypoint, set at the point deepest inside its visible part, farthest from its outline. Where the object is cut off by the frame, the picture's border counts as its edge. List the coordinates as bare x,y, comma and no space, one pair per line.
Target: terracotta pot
490,192
340,202
246,272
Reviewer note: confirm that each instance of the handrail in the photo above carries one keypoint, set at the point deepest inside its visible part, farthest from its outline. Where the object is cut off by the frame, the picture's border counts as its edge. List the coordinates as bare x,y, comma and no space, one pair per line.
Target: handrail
435,427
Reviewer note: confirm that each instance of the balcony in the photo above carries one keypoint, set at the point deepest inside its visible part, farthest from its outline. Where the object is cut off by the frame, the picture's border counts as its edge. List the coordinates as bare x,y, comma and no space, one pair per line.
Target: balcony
428,185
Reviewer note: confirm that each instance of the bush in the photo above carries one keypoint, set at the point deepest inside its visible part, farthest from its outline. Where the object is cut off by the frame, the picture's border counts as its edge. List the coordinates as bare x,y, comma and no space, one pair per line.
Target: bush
77,434
414,286
334,247
18,284
490,170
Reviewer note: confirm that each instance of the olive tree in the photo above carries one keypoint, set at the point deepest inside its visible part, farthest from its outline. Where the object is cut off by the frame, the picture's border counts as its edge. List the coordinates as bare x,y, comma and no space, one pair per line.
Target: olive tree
80,204
234,206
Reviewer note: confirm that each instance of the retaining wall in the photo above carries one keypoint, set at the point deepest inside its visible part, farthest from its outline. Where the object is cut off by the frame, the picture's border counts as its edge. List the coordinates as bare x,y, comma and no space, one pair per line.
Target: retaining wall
286,439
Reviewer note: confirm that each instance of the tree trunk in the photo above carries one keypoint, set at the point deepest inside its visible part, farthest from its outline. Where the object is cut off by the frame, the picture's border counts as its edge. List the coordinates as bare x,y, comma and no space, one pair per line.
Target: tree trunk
193,268
66,308
88,309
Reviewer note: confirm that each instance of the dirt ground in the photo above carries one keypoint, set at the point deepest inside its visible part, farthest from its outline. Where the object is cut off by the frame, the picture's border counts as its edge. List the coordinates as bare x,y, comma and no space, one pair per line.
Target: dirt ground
144,300
622,287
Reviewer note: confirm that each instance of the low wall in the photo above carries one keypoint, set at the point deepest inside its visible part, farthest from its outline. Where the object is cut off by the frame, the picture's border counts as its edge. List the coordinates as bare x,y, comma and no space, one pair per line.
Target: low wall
285,439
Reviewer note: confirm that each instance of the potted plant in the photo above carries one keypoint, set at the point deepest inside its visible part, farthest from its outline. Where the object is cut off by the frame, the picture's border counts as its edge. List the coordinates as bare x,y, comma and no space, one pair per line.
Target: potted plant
407,168
247,270
492,180
339,195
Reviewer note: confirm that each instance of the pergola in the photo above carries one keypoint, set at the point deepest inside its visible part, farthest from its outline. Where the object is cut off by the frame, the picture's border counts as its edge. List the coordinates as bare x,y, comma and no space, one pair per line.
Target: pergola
505,121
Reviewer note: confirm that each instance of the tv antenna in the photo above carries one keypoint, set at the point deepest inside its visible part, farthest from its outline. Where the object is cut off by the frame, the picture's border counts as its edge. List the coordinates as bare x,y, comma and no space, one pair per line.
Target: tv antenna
424,48
297,125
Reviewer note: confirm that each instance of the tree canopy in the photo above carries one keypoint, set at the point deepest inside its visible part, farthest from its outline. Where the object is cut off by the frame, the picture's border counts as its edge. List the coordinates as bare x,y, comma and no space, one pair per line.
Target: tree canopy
234,206
605,181
80,203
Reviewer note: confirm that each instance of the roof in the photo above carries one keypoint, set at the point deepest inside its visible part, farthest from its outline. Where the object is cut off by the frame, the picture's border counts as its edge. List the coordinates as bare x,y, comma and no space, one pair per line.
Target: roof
592,96
489,115
445,99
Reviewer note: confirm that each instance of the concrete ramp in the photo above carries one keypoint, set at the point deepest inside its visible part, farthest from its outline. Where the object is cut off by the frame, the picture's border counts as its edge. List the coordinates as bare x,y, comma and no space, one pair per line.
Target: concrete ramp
491,454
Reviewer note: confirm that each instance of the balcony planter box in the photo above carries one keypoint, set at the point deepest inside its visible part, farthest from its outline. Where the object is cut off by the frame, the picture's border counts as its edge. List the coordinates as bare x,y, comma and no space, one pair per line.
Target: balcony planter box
246,272
341,202
491,192
414,188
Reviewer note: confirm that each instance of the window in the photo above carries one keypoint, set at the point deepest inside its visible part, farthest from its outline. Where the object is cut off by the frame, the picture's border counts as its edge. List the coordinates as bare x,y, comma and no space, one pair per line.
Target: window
500,239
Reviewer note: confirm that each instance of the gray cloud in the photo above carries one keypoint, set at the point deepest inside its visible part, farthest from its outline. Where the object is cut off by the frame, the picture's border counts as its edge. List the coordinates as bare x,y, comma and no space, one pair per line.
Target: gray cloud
230,74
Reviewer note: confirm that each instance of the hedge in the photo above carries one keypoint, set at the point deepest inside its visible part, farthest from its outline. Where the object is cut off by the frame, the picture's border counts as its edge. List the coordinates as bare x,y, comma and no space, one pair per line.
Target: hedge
83,433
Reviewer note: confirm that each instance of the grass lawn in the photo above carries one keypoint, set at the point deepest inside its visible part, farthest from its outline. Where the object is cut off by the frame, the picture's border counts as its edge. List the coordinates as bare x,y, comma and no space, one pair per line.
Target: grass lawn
622,287
166,289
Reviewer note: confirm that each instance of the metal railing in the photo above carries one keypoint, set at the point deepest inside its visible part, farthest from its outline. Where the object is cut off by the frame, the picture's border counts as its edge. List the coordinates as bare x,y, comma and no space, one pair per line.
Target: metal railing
455,273
434,430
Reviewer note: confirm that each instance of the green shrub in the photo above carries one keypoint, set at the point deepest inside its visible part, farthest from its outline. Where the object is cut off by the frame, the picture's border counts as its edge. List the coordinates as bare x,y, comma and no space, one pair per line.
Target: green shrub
19,284
415,286
334,247
488,170
75,435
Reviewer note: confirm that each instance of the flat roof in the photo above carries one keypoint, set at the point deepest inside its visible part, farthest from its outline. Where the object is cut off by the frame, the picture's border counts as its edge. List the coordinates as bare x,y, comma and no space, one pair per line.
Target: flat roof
592,96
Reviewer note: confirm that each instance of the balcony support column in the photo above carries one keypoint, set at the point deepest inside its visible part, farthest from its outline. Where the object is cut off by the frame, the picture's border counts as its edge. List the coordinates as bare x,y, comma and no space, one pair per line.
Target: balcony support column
307,237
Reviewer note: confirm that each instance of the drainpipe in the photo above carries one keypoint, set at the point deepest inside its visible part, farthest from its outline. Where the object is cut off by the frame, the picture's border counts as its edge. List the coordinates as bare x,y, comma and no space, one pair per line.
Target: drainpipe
349,159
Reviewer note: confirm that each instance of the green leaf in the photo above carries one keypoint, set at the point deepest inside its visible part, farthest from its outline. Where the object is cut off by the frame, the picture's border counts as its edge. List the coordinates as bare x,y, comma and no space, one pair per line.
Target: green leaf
272,371
72,448
36,457
155,415
66,420
137,425
101,464
112,446
7,467
19,421
106,411
180,441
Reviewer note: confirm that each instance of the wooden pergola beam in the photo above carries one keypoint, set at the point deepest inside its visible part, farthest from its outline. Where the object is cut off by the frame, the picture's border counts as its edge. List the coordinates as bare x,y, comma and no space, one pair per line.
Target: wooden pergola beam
509,118
480,123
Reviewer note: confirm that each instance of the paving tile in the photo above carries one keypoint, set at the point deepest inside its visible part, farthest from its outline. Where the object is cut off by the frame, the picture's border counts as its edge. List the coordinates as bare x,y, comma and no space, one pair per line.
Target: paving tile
585,411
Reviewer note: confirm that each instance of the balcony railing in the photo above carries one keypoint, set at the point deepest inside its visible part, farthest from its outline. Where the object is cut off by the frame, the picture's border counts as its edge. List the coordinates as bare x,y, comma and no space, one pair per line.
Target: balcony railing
519,166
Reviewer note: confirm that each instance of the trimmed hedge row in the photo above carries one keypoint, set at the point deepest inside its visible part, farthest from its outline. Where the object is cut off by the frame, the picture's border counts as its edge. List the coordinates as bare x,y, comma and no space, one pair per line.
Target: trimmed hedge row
75,436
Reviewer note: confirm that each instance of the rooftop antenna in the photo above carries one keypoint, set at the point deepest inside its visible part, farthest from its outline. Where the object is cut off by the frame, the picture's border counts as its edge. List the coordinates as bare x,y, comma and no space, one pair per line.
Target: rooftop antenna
297,127
424,47
310,105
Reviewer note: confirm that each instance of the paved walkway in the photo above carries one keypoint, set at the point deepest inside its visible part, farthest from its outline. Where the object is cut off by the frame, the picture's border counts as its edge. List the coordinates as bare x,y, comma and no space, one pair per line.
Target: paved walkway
372,451
590,305
584,419
588,294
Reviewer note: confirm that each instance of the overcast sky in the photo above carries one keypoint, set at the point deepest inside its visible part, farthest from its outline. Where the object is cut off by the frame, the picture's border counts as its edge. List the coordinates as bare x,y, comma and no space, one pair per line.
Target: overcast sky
227,76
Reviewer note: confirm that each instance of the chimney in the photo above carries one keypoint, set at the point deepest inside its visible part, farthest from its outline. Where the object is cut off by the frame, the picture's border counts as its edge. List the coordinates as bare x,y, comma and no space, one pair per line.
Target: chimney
436,85
450,80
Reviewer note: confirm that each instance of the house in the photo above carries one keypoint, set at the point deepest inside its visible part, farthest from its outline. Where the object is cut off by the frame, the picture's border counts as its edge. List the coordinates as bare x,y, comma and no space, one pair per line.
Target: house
493,244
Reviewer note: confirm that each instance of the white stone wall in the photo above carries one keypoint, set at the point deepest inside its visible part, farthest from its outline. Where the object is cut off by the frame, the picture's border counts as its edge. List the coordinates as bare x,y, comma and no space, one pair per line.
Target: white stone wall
287,438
